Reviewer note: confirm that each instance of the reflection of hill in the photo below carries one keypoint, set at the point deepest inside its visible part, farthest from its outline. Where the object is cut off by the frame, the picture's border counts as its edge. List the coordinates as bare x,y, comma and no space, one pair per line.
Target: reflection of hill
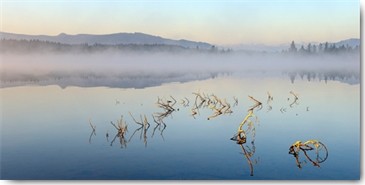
150,80
92,80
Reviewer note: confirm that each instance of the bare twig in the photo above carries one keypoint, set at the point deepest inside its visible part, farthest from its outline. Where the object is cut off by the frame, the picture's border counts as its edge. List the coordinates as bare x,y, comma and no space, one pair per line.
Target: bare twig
139,123
91,125
295,99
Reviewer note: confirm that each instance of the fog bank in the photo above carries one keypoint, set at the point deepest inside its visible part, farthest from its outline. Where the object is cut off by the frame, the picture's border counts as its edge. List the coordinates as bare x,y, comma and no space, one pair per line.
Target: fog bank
144,70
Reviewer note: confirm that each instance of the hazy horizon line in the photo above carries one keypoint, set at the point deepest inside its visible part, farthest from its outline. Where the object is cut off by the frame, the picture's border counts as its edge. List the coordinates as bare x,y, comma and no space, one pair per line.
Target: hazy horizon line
163,37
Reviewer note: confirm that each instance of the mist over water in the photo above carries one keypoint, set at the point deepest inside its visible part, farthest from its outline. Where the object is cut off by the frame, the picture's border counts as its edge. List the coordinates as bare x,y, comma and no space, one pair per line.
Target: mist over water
139,70
182,111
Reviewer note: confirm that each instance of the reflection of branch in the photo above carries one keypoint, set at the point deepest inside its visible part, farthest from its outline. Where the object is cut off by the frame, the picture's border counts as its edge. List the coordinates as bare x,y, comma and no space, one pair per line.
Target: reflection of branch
91,125
91,135
248,159
144,125
185,102
295,99
269,100
115,137
139,123
314,163
134,133
235,101
145,129
93,131
159,124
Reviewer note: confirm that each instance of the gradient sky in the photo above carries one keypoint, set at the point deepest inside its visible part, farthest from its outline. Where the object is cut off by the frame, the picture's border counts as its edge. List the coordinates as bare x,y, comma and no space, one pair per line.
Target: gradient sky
218,22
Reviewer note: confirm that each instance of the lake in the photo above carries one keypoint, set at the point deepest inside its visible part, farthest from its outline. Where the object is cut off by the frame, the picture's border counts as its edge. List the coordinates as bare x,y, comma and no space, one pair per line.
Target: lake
54,132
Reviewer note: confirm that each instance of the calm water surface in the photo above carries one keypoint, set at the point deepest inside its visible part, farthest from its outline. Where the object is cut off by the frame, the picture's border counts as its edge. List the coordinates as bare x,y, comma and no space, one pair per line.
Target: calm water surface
46,132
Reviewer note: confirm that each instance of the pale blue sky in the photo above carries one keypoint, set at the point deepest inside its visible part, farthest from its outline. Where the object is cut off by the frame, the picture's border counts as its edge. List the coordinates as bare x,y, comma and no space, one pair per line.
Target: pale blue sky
218,22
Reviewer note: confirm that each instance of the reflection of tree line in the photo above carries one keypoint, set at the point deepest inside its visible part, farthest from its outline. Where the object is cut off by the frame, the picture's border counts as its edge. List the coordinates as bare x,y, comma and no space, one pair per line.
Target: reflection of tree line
246,130
329,75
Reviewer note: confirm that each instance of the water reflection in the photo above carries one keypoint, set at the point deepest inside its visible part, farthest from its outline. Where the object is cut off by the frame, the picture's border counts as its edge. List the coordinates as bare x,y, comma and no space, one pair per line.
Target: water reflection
191,154
167,107
313,150
295,101
269,101
249,152
93,133
185,102
144,126
160,125
349,77
246,132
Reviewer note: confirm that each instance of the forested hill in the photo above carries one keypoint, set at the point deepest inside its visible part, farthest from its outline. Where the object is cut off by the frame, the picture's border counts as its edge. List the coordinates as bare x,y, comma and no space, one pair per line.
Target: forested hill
108,39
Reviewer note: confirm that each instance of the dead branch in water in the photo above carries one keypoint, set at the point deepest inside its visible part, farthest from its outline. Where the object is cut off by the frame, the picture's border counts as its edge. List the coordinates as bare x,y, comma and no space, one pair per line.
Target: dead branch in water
240,132
93,133
122,128
91,125
185,102
219,107
268,102
139,123
144,125
295,99
235,101
310,145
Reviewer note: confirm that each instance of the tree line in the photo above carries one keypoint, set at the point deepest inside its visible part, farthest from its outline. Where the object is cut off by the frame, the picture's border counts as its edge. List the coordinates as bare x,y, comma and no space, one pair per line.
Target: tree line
29,46
321,48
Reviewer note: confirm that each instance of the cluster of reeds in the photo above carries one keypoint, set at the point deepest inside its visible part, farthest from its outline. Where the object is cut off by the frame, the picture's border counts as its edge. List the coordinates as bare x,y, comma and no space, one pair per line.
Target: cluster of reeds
218,105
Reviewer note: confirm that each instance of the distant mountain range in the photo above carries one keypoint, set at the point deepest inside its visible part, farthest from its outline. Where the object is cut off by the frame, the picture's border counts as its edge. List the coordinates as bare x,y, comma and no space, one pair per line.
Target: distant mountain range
108,39
141,38
350,42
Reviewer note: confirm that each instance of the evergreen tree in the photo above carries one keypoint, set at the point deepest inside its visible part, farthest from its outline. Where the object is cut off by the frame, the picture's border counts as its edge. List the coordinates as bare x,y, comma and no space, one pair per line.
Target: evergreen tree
309,48
292,48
